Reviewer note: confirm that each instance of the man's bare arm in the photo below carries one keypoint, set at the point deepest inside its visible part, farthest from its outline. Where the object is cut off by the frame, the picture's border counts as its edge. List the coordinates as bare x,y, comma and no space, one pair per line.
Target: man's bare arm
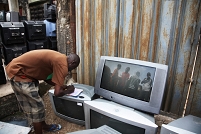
50,82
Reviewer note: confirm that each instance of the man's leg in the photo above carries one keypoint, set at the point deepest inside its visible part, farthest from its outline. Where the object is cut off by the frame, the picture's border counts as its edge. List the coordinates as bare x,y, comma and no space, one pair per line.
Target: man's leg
38,128
32,105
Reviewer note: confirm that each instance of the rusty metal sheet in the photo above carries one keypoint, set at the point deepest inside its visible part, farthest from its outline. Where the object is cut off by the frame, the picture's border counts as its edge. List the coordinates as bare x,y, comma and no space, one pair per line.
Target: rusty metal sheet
125,28
99,18
183,49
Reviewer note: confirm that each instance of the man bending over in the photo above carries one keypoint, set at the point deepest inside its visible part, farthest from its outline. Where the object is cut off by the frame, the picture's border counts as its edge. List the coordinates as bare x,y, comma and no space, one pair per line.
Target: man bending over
25,71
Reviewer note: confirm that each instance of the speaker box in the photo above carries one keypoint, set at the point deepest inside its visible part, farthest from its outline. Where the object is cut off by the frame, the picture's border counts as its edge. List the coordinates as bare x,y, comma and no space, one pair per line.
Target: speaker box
12,33
72,108
12,51
2,75
38,44
35,30
52,43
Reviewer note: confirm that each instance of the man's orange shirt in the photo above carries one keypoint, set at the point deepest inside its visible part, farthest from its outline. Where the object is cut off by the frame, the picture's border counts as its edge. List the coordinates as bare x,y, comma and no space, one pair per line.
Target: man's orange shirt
38,64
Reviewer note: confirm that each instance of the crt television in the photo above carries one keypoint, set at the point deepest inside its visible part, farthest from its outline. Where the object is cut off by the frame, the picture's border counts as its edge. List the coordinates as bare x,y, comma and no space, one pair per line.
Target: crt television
71,108
134,83
186,125
35,30
12,33
123,119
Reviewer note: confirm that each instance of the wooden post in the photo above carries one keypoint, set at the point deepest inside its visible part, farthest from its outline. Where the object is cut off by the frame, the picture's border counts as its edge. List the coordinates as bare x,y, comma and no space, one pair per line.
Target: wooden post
66,29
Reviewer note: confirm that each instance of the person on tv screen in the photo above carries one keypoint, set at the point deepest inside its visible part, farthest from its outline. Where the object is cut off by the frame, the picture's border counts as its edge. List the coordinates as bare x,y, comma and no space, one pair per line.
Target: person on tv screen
24,73
124,77
115,77
146,87
133,84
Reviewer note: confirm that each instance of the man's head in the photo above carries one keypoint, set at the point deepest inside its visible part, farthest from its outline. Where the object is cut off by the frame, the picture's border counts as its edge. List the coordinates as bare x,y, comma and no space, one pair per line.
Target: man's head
127,69
73,61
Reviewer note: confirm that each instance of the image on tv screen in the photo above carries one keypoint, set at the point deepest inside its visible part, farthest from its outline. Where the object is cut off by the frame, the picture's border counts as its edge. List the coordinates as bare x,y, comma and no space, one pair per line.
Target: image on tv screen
132,80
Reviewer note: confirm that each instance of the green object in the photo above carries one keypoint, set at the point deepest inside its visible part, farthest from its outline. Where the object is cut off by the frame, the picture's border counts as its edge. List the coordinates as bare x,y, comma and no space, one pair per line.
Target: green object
49,77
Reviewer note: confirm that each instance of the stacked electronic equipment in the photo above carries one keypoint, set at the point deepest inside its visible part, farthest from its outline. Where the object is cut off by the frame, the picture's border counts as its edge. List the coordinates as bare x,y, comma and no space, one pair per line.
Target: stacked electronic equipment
13,40
35,35
50,21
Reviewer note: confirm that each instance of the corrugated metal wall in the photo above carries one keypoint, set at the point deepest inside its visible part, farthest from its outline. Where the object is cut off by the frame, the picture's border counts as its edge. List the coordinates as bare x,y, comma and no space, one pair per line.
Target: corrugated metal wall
161,31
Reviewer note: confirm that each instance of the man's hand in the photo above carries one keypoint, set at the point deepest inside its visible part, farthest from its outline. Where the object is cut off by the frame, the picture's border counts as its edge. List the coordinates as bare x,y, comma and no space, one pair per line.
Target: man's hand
61,90
70,89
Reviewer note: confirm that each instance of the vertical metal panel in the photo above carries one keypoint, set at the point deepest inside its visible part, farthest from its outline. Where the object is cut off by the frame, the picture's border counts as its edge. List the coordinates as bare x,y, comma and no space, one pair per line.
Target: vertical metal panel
97,32
145,29
187,20
165,30
194,102
160,31
125,28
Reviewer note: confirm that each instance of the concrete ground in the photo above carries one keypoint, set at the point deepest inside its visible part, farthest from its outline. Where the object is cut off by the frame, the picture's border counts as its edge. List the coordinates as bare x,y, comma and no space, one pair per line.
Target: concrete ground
5,89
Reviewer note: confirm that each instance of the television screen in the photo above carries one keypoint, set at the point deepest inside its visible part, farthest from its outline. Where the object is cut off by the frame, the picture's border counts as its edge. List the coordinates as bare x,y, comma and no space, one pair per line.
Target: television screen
70,108
132,80
98,119
123,119
134,83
